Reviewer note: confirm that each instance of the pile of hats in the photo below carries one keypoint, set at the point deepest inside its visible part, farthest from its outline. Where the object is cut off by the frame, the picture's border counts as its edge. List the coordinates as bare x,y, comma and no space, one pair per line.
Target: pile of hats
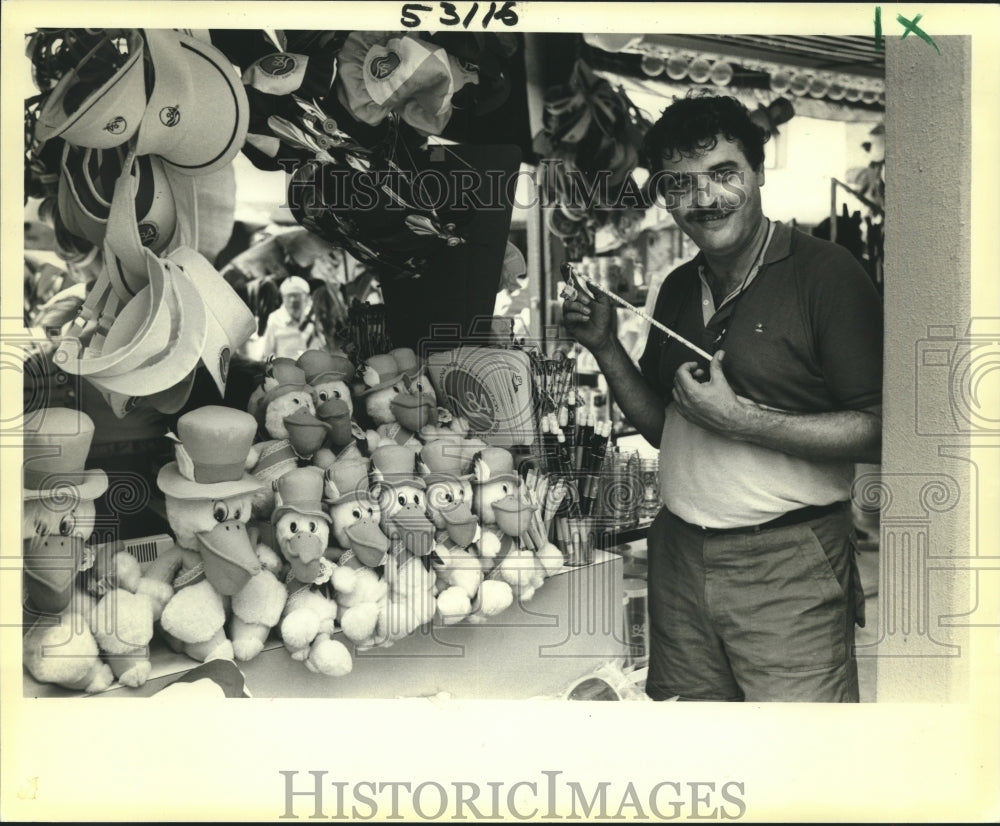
131,151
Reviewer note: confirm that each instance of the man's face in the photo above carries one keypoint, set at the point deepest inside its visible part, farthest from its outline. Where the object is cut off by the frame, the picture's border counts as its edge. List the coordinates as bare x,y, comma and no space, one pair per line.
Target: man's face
294,303
713,196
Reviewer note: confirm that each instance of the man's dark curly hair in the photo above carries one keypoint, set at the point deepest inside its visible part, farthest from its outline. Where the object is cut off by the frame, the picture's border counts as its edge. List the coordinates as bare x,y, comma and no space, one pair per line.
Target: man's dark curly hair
691,125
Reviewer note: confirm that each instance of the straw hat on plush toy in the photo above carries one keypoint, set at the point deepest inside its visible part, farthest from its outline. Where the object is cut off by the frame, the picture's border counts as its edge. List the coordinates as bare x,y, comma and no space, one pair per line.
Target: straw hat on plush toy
383,370
56,444
396,463
446,458
300,491
285,377
347,481
212,445
320,365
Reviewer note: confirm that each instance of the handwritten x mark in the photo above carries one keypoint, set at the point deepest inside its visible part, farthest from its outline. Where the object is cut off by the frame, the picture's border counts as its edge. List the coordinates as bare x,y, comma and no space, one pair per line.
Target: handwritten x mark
911,26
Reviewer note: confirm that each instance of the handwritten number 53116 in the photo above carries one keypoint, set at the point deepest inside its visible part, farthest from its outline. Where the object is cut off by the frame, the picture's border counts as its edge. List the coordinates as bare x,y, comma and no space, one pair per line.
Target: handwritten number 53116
505,13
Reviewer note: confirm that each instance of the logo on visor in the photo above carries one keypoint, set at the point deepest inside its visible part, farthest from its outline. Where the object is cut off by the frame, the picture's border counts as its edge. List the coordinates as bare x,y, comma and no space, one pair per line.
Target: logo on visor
116,126
224,356
277,65
382,67
149,233
170,116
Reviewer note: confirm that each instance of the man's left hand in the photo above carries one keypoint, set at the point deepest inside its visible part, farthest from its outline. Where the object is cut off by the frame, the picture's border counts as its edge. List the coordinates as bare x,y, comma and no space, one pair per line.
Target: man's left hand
710,404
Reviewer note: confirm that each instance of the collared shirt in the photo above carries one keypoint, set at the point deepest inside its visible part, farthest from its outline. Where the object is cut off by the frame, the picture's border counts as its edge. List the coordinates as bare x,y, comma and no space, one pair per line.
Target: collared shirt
804,336
283,336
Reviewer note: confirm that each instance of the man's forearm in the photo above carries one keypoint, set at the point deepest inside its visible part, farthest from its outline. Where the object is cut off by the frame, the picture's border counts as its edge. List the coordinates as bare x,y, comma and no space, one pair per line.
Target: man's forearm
851,435
642,407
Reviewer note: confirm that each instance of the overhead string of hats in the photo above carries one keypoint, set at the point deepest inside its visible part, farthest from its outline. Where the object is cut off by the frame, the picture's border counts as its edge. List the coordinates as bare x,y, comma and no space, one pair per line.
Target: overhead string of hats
591,136
348,114
127,120
135,120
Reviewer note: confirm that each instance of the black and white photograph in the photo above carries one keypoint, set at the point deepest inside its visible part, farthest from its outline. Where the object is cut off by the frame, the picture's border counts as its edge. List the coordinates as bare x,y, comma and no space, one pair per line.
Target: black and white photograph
529,410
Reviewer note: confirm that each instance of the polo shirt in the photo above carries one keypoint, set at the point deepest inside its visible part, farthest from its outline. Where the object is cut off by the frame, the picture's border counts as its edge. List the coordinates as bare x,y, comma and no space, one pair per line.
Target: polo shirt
805,335
286,337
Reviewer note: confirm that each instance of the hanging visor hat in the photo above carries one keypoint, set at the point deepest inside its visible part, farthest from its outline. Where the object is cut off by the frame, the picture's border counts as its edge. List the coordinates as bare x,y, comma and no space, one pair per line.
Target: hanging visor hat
194,117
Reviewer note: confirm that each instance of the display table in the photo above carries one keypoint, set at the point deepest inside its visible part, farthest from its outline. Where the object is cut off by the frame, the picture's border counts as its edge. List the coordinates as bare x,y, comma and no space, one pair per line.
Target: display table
571,626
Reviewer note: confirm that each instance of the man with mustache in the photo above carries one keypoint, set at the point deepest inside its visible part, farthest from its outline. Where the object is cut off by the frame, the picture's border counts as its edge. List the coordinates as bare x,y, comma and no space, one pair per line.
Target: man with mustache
753,586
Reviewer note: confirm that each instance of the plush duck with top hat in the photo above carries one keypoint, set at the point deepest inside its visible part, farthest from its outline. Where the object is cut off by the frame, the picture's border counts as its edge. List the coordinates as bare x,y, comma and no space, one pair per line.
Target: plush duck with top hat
302,530
327,375
506,520
398,397
214,565
408,569
460,587
285,413
95,606
361,548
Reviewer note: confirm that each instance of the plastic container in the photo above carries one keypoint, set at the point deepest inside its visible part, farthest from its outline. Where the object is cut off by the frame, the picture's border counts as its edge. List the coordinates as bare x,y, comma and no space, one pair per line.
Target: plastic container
636,624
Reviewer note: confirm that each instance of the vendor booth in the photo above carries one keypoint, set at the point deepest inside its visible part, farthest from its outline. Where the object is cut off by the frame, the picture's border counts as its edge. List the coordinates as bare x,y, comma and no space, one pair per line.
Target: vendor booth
300,415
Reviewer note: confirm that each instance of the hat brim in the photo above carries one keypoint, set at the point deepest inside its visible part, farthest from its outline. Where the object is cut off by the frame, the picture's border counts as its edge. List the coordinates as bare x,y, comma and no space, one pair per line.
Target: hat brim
198,113
188,328
170,481
303,509
397,479
506,476
129,269
436,476
276,393
162,206
408,374
140,330
351,496
87,486
229,321
331,375
121,99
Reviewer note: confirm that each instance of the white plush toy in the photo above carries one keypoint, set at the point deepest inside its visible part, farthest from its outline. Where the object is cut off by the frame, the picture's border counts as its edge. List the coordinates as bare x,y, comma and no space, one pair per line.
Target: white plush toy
398,397
302,530
360,546
505,517
402,496
461,589
214,566
82,603
327,376
286,415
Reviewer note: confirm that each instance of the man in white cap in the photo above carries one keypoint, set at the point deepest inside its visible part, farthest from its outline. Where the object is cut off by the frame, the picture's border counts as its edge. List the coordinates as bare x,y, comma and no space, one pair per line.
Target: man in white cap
290,330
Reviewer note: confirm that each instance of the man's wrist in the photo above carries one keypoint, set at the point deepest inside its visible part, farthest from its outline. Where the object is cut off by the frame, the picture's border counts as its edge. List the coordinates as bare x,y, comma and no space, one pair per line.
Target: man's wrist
607,352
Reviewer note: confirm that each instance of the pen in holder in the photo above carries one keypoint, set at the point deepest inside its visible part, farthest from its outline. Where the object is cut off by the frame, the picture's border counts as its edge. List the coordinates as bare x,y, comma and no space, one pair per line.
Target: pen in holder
576,537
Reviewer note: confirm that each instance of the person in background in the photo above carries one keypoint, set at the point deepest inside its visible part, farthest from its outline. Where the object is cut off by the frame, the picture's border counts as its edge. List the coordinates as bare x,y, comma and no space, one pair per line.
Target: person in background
290,329
753,584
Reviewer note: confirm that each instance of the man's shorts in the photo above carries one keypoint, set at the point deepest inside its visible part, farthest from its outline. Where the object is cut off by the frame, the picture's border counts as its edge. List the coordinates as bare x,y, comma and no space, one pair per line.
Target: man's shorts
757,616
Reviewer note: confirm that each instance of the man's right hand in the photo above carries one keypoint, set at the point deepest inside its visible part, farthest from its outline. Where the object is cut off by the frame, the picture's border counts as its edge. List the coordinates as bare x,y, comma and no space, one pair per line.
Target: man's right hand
591,322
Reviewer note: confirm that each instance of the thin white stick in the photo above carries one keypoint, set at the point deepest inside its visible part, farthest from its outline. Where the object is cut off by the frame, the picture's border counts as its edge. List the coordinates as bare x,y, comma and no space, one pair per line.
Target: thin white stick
645,317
